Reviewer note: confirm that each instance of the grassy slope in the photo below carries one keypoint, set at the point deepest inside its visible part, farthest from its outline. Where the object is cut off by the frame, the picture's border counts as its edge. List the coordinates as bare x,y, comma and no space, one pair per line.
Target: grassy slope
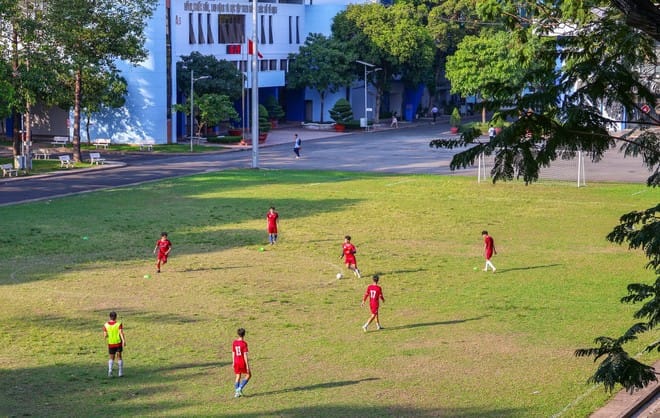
457,342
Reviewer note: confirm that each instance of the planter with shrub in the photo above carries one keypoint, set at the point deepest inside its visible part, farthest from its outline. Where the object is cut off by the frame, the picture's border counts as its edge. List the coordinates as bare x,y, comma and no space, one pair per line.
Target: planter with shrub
342,114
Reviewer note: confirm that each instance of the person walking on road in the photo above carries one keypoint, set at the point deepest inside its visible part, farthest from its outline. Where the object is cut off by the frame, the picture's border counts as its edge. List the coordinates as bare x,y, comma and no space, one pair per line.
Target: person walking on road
297,144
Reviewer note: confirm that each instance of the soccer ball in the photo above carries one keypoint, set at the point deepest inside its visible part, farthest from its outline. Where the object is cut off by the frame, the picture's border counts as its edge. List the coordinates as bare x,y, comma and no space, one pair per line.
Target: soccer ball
339,276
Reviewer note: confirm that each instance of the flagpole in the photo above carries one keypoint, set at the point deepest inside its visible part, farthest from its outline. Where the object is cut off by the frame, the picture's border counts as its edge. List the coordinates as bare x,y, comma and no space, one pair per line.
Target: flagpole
255,90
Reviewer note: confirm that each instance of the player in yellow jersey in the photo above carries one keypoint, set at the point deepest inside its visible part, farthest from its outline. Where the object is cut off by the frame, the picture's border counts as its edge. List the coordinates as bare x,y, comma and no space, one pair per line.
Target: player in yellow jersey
113,332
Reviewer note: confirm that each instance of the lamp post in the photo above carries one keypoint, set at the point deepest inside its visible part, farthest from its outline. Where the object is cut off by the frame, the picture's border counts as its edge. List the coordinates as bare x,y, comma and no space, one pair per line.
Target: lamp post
192,104
366,73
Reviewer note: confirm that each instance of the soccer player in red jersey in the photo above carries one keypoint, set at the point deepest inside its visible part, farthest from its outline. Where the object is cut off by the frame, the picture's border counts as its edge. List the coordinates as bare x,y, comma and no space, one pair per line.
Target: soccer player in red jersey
348,251
375,295
164,246
239,353
272,220
113,332
489,250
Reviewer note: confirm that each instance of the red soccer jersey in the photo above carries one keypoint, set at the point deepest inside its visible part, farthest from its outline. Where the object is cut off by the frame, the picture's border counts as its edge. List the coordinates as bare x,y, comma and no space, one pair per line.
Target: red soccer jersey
238,349
375,294
489,246
272,222
349,253
163,246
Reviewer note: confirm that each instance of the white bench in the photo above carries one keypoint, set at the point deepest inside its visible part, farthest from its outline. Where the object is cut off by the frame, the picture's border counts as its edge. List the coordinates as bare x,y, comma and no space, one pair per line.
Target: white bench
95,158
148,147
102,142
42,153
8,169
65,161
60,140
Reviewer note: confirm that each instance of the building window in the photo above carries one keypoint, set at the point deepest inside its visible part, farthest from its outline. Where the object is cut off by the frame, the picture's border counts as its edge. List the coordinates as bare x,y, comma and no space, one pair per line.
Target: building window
231,29
191,29
270,29
272,65
263,31
200,34
209,31
263,65
284,65
297,29
290,29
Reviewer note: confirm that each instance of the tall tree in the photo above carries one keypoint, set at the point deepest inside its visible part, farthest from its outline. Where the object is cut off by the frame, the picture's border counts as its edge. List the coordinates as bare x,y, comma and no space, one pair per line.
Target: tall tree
392,38
599,54
94,34
223,77
320,64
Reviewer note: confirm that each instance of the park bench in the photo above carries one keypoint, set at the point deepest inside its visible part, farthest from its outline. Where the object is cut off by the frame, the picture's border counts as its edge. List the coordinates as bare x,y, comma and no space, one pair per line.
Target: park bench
95,158
42,153
102,142
147,147
8,169
65,161
60,141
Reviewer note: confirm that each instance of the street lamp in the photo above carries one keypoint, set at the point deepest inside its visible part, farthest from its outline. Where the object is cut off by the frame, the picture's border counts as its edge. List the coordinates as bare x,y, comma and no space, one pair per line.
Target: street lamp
366,73
192,102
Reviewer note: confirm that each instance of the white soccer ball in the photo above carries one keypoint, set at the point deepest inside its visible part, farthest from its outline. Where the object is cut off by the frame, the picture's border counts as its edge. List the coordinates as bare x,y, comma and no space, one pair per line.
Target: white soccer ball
339,276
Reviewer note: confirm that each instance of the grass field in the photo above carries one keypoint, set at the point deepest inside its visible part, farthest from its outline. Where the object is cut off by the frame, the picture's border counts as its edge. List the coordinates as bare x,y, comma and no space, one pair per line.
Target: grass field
457,342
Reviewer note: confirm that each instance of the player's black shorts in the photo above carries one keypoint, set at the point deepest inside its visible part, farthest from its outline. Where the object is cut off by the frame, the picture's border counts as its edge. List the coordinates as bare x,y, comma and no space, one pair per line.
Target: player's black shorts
113,350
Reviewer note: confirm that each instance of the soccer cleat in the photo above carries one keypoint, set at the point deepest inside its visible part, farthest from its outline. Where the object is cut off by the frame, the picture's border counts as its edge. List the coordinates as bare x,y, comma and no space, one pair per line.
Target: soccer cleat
237,394
110,373
494,269
364,328
378,327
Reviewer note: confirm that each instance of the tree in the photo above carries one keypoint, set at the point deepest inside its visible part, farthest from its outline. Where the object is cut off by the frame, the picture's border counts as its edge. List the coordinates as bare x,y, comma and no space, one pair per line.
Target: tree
341,112
320,64
102,89
92,35
211,109
392,38
599,53
486,66
223,76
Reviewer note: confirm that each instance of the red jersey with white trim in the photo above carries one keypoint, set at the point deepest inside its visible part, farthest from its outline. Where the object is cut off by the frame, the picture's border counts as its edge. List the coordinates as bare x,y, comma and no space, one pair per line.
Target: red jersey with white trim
375,294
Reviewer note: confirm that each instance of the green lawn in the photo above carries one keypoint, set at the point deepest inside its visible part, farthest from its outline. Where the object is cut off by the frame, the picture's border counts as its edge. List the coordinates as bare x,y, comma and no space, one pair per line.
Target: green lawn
457,342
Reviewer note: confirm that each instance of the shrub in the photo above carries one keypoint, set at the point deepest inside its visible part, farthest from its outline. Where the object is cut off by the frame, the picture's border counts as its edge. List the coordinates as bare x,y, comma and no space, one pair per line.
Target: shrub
341,112
228,139
275,111
455,118
264,122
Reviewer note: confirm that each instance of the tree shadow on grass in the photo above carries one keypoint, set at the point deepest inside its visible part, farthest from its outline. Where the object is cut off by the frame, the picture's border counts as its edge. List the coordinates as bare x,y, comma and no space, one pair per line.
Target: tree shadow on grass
505,270
326,385
432,324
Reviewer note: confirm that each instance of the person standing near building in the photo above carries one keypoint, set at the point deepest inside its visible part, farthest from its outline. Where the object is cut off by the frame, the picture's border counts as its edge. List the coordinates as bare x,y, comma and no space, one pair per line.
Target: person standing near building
272,219
375,295
395,121
489,250
297,144
164,246
113,332
239,354
491,132
434,112
348,251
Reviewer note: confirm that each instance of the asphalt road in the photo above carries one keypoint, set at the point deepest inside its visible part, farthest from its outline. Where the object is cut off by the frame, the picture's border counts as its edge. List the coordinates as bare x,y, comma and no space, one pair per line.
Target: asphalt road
403,150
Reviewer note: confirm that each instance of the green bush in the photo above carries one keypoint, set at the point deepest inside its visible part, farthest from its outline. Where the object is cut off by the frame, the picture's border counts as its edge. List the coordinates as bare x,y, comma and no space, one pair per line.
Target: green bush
455,118
224,139
341,112
275,111
264,121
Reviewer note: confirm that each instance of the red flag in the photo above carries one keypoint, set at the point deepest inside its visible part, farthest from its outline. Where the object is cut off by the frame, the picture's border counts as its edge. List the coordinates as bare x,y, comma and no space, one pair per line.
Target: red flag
251,49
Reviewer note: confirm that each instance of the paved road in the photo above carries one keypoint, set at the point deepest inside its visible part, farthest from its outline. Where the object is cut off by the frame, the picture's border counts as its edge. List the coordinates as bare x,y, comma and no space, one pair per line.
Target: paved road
403,150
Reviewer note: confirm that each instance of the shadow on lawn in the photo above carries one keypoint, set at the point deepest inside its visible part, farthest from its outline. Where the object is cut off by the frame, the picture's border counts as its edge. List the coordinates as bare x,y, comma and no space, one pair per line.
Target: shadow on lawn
545,266
384,411
327,385
433,324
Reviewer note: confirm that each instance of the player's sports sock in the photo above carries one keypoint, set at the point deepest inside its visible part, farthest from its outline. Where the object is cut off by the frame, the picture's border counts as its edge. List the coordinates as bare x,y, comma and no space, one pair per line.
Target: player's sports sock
237,386
120,364
243,383
110,363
